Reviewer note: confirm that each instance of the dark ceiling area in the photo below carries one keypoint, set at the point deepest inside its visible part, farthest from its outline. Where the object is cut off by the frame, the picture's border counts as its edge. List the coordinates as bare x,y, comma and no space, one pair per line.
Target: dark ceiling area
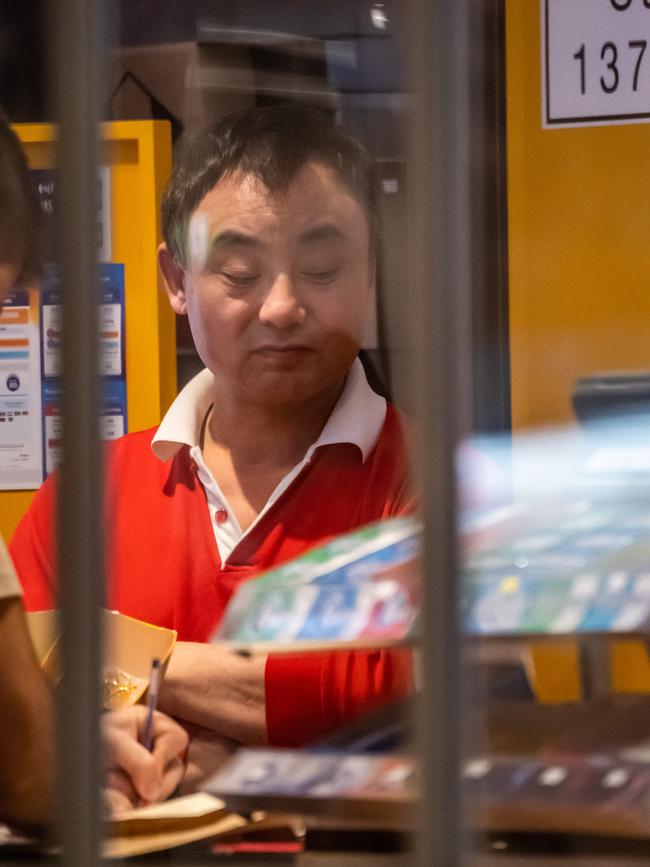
22,60
361,43
358,51
146,21
366,41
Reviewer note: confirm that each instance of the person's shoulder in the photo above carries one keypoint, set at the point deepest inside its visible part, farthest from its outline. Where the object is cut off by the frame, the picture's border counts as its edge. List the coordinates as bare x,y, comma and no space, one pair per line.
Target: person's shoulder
397,424
133,449
138,441
133,469
393,443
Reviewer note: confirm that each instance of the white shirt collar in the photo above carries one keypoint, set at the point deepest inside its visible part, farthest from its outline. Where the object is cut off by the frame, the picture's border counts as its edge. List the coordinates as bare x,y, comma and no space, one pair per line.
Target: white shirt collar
357,418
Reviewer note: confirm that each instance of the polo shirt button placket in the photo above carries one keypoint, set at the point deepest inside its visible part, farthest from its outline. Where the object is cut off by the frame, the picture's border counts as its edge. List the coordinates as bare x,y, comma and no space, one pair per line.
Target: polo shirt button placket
221,516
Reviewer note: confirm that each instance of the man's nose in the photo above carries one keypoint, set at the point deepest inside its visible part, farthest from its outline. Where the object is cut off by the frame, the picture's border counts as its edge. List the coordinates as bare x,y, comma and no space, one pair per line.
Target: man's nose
282,306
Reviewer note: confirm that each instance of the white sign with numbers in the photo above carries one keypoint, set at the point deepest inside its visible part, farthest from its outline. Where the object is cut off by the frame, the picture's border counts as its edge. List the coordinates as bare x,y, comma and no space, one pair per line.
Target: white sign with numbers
595,62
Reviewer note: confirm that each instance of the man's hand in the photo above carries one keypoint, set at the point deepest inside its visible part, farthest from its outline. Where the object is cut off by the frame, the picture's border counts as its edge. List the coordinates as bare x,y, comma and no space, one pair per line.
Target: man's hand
217,689
134,775
207,753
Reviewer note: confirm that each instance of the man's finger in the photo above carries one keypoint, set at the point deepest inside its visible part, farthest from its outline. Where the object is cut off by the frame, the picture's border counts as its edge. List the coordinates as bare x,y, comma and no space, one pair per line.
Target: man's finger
171,778
140,765
118,791
116,801
117,779
169,740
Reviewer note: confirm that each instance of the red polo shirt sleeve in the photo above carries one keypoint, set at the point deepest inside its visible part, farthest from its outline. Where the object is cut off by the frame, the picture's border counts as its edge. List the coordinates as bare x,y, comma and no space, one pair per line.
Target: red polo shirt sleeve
309,695
33,549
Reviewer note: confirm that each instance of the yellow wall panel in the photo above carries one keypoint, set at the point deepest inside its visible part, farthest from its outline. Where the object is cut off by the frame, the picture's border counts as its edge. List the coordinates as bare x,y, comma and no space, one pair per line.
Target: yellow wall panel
579,240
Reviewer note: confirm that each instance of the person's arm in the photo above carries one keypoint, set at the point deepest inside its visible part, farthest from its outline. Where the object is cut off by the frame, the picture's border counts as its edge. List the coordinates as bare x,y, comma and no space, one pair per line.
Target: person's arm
26,703
311,695
284,700
216,689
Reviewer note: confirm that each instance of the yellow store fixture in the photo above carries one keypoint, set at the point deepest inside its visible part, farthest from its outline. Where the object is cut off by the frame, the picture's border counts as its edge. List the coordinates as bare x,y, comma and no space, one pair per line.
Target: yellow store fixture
553,670
138,154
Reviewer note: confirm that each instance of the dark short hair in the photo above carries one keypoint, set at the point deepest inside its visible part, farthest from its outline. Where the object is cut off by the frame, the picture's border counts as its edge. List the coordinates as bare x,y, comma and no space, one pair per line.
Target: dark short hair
273,143
19,208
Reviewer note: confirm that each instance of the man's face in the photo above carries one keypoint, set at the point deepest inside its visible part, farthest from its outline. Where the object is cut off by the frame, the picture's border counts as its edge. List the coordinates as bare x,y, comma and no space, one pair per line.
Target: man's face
278,287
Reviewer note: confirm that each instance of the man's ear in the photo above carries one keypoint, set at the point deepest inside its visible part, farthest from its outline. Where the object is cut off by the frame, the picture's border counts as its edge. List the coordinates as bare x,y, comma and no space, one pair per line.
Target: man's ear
174,280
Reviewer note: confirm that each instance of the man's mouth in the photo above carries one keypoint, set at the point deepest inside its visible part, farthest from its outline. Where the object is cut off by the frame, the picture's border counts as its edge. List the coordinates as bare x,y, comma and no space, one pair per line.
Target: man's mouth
283,354
281,348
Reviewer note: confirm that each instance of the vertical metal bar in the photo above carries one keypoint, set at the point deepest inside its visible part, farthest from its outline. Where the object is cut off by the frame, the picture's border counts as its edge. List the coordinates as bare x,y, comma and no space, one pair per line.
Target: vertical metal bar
77,58
440,184
490,316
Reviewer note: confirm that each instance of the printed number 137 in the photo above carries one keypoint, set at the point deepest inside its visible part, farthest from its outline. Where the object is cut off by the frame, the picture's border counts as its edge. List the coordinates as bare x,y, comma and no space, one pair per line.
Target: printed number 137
610,78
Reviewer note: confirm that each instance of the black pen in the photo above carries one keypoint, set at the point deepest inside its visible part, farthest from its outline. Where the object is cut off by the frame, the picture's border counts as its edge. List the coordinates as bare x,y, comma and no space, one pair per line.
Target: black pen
152,701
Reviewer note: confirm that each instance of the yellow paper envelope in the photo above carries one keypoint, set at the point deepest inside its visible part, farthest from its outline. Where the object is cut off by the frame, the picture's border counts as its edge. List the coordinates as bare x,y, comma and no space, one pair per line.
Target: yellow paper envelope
129,647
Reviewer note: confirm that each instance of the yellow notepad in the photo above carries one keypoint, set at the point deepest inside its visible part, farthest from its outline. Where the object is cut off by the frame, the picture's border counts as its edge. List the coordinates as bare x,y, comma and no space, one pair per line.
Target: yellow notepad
164,826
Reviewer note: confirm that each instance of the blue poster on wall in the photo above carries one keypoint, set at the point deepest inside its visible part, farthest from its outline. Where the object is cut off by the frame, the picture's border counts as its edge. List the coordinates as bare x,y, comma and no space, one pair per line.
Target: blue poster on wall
111,358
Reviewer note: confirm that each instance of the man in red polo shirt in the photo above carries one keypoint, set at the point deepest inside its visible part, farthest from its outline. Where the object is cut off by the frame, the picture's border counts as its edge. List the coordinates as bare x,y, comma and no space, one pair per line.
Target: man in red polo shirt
271,232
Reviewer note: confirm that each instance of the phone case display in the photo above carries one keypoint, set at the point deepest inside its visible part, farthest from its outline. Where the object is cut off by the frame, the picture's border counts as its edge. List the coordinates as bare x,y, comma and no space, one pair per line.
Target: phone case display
596,794
568,793
111,362
361,587
574,794
586,569
21,462
361,788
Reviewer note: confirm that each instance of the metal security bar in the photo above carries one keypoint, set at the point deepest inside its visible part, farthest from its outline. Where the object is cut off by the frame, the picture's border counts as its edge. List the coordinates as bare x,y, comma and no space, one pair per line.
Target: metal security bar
77,51
440,181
